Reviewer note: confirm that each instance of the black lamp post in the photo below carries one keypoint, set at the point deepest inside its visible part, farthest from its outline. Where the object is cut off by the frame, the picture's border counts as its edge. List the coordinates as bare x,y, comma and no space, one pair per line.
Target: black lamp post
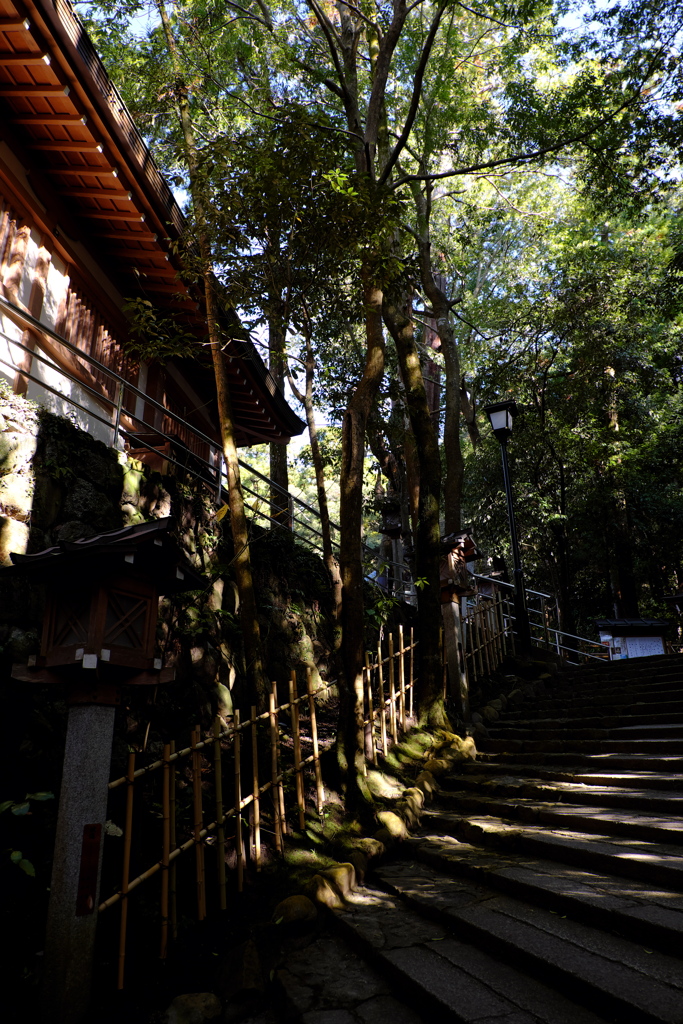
501,416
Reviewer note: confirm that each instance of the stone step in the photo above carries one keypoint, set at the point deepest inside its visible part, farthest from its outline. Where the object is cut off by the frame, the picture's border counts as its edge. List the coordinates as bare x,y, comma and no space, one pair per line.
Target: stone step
653,800
448,979
572,731
608,761
632,909
622,703
509,744
607,973
625,822
528,717
661,864
638,779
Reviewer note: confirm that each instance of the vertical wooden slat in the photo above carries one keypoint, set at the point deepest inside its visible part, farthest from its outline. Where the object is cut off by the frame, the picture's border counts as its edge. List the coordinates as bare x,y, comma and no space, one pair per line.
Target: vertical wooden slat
392,691
198,816
319,789
220,815
165,848
275,790
296,738
256,802
172,871
402,677
125,872
382,700
412,670
371,709
239,840
281,785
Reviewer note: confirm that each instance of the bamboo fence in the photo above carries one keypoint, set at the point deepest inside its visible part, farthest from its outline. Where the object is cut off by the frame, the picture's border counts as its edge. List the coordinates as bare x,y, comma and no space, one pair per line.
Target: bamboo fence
228,765
488,636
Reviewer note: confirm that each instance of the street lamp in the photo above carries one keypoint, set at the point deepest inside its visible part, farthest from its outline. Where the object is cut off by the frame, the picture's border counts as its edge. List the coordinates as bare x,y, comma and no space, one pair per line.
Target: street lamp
501,416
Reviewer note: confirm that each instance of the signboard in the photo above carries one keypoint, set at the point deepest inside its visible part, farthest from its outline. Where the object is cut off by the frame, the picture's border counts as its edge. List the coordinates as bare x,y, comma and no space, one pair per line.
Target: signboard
644,646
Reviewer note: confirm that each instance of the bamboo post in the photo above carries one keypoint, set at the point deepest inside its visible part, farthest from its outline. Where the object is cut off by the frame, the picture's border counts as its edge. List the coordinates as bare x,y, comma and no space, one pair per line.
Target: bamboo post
371,713
296,738
198,822
412,670
382,700
239,844
220,814
281,785
392,690
256,802
125,873
172,872
444,662
402,675
319,789
477,624
485,636
275,785
165,848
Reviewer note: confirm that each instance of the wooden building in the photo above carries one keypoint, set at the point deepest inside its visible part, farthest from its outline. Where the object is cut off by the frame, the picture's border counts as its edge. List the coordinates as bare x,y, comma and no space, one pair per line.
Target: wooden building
86,222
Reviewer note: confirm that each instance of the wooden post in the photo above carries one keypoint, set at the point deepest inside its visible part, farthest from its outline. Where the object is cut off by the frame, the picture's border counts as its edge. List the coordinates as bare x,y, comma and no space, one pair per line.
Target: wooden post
296,738
281,785
256,796
275,785
382,700
402,682
239,843
125,874
220,814
165,848
370,745
319,789
392,690
412,669
172,872
198,822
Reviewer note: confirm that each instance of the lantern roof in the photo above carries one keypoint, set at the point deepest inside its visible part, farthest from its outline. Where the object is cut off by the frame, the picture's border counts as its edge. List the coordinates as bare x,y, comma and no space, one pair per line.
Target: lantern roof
148,548
633,627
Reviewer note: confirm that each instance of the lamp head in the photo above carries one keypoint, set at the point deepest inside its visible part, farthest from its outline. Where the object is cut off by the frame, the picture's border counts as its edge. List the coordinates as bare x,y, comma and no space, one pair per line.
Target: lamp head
500,417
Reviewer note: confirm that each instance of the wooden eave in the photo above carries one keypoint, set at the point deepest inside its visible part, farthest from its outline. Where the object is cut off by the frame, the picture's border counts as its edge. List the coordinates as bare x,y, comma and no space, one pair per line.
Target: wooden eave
86,161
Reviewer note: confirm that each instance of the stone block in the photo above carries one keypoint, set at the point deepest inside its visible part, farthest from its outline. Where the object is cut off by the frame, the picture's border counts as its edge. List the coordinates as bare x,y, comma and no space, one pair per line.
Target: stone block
13,537
193,1008
395,825
295,910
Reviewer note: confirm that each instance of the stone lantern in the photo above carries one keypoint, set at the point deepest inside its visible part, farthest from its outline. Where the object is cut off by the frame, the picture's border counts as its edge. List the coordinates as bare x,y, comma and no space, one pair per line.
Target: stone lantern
99,633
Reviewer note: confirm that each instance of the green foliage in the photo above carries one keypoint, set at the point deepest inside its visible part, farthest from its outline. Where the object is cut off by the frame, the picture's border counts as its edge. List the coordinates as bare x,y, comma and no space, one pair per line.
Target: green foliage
156,335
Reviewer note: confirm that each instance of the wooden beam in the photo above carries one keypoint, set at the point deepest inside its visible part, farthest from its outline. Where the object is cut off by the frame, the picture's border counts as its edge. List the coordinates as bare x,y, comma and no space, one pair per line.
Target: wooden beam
126,236
93,193
47,118
52,146
19,59
33,90
110,215
87,171
14,24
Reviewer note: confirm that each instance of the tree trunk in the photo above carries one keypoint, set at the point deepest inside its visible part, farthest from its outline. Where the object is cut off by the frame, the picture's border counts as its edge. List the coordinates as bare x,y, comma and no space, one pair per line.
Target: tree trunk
251,636
397,316
350,739
279,470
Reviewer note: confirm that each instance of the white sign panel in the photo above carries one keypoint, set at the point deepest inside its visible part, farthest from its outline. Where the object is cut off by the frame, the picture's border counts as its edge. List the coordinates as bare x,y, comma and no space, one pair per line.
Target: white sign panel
644,646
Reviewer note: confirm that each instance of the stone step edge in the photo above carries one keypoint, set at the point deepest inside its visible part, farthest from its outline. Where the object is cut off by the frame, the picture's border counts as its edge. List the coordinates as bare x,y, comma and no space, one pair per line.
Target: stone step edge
512,950
621,921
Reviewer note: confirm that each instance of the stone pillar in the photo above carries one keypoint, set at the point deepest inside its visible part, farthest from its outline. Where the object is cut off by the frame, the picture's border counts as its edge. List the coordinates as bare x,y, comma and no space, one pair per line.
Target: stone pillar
75,887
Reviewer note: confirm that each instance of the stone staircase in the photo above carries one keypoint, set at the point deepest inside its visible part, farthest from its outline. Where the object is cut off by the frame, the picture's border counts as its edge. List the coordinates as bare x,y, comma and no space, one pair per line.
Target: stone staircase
546,884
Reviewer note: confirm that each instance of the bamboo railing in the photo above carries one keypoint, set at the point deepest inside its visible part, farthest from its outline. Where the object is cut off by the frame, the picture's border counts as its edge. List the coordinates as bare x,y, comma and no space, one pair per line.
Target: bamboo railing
273,783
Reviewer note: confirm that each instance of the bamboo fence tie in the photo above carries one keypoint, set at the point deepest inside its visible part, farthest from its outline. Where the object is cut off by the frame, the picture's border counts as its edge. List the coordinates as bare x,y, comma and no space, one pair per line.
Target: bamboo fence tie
198,822
255,790
371,708
392,691
239,845
319,789
166,849
298,768
220,816
412,669
277,820
125,872
402,678
382,701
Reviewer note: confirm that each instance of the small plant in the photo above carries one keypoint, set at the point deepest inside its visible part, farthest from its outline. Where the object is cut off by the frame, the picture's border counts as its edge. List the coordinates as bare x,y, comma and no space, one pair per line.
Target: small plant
20,810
